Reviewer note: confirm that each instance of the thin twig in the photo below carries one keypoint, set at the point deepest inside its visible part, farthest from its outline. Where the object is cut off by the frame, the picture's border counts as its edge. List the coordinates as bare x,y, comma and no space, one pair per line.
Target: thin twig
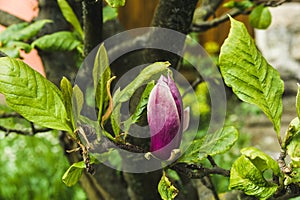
22,132
204,26
198,171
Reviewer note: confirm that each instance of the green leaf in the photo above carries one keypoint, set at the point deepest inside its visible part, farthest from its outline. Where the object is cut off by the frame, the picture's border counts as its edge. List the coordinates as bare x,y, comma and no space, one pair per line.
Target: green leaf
109,13
261,160
67,93
298,102
252,79
245,176
242,5
292,131
115,117
12,48
212,144
73,174
115,3
166,190
147,74
141,106
293,147
260,17
101,75
10,51
9,32
70,16
78,101
32,95
30,31
59,41
20,46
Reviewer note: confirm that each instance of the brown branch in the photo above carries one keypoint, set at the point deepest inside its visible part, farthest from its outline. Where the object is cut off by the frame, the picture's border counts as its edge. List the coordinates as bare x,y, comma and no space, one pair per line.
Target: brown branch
198,171
7,19
92,20
23,132
204,26
207,9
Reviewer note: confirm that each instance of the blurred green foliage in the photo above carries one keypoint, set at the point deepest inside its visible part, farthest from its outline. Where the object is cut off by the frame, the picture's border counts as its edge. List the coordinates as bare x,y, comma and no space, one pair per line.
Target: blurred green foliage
31,167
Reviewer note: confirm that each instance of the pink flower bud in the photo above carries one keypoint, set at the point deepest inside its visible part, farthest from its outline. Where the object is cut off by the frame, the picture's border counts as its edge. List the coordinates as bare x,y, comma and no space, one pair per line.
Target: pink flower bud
165,118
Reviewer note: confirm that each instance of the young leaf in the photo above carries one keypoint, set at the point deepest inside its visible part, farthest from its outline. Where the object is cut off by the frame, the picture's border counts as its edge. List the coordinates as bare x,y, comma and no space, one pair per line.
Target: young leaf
78,101
30,31
12,48
67,93
115,3
252,79
115,117
293,148
146,75
9,32
298,102
246,177
260,17
101,75
247,173
70,16
73,174
19,45
59,41
166,190
292,131
140,108
212,144
32,95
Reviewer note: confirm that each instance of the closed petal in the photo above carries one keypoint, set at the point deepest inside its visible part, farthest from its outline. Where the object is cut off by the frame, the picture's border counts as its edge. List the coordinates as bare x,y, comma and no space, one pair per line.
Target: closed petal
176,95
164,121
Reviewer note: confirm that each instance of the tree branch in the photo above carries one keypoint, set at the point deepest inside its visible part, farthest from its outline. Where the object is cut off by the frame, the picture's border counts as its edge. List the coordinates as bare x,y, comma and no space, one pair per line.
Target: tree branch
93,23
204,26
7,19
23,132
198,171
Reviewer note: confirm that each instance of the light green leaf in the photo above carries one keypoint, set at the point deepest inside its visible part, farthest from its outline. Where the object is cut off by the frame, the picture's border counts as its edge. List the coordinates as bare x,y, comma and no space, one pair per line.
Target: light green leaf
67,93
292,131
212,144
109,13
293,147
11,51
115,3
245,176
59,41
166,190
70,16
147,74
101,75
252,79
115,117
32,95
242,5
12,48
260,17
9,32
19,45
141,106
261,160
73,174
30,31
78,101
298,102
